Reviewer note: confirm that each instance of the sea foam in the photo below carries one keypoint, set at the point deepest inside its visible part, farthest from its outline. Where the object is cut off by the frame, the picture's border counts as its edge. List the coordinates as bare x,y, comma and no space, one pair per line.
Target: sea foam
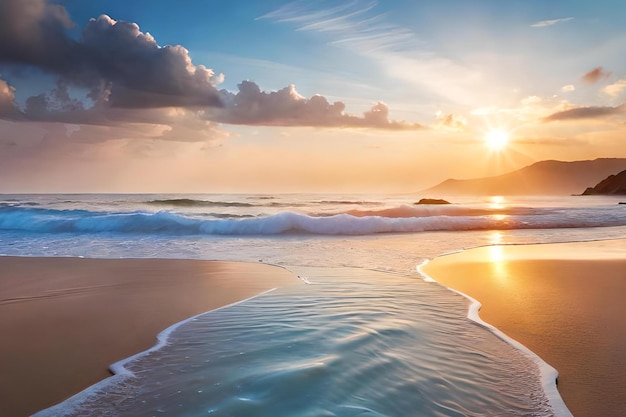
39,220
549,375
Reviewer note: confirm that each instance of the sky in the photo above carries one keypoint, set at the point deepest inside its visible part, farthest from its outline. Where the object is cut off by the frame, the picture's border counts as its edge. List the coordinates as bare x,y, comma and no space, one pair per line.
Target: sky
302,96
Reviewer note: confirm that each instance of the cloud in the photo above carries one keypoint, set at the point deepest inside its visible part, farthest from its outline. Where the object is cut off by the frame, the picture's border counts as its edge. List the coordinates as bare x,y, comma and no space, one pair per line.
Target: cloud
546,23
32,32
568,88
117,66
7,100
355,26
110,55
542,140
250,106
616,88
533,109
450,121
143,74
587,113
286,107
350,22
595,75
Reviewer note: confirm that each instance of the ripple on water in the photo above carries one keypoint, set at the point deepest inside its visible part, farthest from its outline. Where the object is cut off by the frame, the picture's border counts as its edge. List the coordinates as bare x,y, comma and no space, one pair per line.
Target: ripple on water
355,343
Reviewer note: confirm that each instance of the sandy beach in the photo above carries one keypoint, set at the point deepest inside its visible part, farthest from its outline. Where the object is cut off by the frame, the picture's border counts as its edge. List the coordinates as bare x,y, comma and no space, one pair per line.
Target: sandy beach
565,302
67,319
63,321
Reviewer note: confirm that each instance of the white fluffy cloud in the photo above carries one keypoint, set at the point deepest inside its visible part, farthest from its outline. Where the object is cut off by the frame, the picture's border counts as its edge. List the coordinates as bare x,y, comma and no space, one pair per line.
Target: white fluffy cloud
286,107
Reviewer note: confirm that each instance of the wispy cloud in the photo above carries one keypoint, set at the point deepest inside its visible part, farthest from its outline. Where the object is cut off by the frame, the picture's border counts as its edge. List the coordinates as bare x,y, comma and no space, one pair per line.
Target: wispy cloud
352,23
551,22
358,27
591,112
301,11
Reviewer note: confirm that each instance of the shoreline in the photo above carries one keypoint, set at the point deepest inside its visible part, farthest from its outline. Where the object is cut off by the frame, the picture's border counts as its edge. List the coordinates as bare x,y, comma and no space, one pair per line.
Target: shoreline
560,301
72,319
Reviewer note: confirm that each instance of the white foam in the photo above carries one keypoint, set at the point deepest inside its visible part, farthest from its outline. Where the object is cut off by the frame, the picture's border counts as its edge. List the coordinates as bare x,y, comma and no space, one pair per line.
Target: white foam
413,220
549,375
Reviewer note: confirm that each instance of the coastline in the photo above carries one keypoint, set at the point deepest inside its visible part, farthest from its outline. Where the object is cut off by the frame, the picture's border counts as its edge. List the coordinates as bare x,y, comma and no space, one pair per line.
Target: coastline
564,302
66,320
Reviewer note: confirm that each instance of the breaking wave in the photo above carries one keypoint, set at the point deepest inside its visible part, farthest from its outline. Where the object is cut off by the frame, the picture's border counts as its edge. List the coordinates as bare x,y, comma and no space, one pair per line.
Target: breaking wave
38,220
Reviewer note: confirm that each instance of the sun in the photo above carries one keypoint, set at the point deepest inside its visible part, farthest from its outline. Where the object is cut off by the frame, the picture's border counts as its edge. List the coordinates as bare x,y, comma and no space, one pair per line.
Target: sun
496,139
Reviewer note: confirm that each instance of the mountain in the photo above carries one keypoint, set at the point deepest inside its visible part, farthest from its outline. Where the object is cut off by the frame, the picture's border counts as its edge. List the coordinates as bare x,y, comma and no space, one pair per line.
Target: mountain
540,178
613,184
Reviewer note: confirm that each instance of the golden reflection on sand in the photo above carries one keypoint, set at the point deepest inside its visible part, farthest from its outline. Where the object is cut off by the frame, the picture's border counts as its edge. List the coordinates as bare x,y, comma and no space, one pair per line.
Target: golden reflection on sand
563,301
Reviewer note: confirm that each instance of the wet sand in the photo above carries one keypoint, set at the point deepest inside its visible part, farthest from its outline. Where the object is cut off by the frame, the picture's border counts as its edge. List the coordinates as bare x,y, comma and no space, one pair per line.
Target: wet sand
63,321
565,302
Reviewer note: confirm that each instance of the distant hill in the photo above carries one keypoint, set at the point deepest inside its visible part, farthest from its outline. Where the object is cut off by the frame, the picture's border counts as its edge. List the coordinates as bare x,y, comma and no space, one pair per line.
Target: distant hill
540,178
612,185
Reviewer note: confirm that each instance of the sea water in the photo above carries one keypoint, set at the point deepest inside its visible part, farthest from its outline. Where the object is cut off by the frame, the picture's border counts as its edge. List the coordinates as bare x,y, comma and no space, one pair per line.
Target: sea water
367,336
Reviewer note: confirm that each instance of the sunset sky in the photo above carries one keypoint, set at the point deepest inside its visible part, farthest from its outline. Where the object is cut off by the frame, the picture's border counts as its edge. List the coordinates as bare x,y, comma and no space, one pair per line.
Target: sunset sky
269,96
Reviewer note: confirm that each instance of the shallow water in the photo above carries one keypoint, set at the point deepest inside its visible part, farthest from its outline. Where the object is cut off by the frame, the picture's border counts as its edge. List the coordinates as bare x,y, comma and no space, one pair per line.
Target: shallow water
367,337
353,342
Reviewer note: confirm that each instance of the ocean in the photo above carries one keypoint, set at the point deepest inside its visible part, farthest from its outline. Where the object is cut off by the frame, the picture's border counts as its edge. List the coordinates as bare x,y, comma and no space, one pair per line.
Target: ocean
368,336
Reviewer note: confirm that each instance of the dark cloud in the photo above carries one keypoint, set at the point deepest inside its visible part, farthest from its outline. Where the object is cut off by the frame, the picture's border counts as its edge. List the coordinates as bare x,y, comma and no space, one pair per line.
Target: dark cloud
595,75
286,107
33,32
138,72
142,73
117,66
52,105
587,113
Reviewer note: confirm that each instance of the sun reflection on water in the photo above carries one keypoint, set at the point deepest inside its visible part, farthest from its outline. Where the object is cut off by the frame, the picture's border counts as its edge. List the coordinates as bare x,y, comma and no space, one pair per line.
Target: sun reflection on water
495,237
499,217
496,202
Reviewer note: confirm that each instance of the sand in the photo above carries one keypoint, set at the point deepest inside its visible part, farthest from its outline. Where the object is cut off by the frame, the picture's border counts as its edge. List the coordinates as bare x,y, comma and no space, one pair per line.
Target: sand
565,302
63,321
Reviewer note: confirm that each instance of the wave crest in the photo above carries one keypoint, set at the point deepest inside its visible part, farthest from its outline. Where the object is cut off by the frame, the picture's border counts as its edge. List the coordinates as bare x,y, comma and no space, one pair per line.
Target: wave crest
39,220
